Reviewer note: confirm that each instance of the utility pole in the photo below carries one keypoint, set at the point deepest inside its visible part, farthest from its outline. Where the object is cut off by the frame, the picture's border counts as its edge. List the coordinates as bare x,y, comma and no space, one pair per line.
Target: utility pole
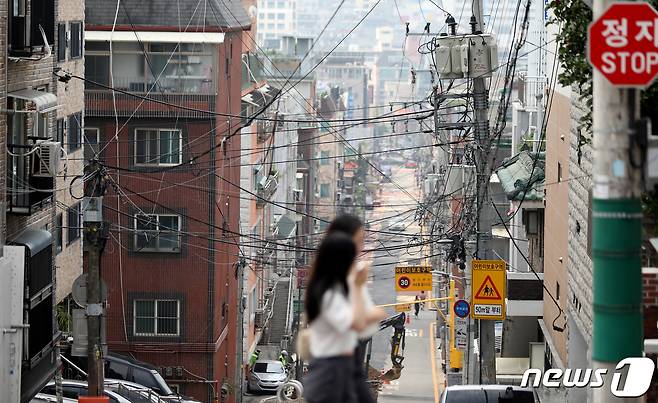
95,237
239,370
483,228
617,227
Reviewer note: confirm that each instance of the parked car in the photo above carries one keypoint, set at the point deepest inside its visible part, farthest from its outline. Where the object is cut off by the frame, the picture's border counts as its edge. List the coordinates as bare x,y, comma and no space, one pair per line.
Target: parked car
377,203
141,394
73,389
399,225
266,376
488,394
43,398
411,164
128,369
118,366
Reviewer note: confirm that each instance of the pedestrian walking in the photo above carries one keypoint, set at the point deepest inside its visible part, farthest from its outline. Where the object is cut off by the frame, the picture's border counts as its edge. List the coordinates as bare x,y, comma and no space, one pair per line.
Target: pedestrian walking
335,311
423,297
416,306
352,226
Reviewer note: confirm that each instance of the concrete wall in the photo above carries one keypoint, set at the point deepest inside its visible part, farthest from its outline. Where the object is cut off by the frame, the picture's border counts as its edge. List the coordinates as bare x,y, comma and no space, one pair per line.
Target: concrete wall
556,216
579,267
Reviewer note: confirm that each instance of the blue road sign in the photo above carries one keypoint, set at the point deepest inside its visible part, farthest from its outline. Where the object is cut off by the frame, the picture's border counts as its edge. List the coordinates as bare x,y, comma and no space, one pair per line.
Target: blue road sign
462,308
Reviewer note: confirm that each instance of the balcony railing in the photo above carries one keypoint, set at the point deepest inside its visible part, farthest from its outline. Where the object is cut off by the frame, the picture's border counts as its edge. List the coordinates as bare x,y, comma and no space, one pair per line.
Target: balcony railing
25,192
194,92
531,89
264,129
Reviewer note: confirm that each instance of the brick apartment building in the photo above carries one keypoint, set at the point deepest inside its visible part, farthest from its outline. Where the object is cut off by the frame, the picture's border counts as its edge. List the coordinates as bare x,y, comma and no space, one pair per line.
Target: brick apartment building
39,219
171,261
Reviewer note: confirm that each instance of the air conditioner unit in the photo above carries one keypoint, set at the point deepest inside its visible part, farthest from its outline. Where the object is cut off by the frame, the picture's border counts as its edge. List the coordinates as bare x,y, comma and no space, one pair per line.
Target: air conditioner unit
46,159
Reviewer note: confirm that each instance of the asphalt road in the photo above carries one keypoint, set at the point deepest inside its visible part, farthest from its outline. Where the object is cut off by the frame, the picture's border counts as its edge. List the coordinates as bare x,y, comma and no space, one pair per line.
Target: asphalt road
416,383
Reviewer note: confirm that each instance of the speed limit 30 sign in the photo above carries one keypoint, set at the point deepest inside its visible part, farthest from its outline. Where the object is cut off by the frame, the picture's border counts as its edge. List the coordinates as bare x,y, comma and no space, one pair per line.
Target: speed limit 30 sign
413,278
623,44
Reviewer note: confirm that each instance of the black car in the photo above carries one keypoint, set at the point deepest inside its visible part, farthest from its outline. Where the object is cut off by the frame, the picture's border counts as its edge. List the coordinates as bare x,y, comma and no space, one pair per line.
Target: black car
128,369
125,368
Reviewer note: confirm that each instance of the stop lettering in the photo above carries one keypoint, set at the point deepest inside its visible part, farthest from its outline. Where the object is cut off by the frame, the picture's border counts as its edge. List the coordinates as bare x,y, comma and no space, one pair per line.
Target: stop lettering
623,44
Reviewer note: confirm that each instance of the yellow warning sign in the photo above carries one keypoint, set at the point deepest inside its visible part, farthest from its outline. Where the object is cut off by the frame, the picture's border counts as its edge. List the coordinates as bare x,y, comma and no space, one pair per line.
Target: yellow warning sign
489,287
413,278
403,308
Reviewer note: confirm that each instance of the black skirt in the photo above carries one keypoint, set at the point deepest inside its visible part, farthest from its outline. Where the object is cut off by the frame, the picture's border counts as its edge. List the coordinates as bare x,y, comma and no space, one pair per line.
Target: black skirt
330,380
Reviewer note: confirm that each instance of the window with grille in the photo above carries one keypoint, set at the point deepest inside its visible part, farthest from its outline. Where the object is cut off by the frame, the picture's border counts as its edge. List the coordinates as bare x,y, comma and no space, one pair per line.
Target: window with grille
76,40
156,317
75,131
59,223
157,233
324,190
73,223
61,129
158,147
61,42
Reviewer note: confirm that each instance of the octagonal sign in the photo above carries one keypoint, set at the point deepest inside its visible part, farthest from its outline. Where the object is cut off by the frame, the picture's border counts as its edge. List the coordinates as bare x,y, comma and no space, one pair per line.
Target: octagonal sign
623,44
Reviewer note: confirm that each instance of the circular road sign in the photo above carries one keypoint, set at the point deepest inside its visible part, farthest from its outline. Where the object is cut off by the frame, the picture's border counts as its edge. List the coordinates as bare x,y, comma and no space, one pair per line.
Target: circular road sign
404,282
623,44
462,308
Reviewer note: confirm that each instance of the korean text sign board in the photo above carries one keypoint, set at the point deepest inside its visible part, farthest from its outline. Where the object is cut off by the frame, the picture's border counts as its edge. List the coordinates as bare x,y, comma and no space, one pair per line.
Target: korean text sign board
489,287
413,278
623,44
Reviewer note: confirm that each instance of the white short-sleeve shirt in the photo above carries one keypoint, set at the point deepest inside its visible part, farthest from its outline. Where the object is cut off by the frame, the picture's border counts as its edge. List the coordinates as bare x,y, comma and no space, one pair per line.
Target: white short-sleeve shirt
331,332
368,305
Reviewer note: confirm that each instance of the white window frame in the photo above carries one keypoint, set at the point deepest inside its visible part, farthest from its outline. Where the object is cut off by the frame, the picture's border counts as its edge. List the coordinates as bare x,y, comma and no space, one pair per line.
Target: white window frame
155,160
157,232
155,318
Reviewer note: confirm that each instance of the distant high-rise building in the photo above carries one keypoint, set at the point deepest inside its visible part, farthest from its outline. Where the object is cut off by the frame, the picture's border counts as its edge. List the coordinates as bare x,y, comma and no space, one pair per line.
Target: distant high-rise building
276,18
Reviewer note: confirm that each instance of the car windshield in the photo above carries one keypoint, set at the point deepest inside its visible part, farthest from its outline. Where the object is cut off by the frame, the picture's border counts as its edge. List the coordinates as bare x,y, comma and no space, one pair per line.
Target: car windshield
489,396
164,389
268,368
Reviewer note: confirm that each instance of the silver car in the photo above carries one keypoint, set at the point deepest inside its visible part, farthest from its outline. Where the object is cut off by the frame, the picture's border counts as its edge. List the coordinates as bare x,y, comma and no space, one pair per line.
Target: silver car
398,226
266,376
73,389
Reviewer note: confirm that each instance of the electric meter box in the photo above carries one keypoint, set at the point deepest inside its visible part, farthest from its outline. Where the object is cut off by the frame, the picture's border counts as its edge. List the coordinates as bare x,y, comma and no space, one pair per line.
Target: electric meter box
466,56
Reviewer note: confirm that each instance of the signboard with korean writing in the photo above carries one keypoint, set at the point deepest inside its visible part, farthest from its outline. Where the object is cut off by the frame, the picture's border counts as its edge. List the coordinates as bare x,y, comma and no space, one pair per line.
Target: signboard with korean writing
488,292
403,308
413,278
623,44
461,333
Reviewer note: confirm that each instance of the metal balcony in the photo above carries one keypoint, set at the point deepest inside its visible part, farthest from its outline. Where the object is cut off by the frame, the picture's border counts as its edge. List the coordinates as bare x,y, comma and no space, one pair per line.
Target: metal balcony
267,188
264,129
99,103
25,192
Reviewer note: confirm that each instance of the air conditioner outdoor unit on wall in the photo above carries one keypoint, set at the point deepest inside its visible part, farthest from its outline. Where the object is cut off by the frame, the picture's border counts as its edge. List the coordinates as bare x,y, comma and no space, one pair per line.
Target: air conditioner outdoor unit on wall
46,159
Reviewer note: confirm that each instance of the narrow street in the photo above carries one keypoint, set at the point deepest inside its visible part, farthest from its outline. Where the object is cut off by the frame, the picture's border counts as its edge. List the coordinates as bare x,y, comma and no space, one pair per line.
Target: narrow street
416,383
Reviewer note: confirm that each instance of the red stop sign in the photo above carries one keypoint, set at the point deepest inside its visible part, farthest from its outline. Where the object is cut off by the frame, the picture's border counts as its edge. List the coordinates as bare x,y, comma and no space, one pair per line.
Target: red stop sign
623,44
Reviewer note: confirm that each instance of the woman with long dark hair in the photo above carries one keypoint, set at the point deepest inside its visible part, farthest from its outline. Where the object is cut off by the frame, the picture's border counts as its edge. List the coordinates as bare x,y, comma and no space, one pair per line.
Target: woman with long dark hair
334,310
352,226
